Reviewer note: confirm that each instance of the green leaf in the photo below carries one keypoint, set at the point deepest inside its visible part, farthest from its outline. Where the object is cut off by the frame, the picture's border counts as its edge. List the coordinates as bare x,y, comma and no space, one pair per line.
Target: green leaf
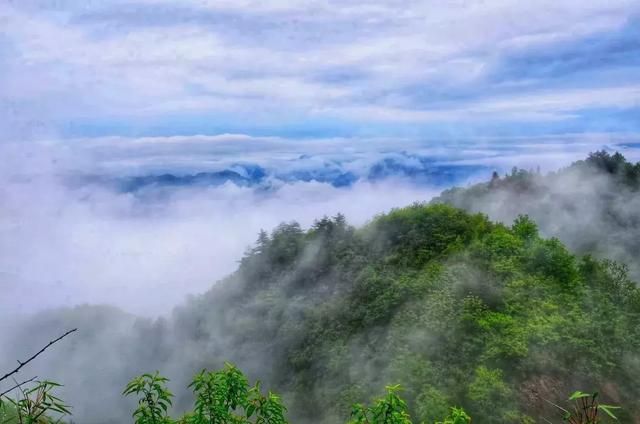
607,409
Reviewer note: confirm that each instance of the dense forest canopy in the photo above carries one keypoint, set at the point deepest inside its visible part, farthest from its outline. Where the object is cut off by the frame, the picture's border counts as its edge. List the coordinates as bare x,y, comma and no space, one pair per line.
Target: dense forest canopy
494,315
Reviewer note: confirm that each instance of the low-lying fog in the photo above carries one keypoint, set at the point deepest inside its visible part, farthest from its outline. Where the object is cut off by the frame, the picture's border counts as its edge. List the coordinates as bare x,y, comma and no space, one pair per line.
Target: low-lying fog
70,234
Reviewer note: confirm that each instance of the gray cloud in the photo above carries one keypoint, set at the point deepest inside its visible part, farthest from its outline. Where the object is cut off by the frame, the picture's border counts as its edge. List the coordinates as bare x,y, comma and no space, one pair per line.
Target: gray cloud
123,60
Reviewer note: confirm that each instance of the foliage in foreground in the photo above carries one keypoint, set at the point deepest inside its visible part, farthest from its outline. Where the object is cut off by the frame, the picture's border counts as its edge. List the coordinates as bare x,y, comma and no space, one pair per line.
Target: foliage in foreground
35,406
225,397
221,397
586,408
392,409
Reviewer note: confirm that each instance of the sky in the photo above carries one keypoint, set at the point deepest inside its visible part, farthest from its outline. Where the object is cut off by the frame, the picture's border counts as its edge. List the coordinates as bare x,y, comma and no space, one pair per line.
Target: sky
294,68
110,110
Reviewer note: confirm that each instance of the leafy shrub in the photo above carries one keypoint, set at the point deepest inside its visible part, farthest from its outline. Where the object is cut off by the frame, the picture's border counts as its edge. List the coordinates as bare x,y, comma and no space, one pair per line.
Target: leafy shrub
36,406
222,397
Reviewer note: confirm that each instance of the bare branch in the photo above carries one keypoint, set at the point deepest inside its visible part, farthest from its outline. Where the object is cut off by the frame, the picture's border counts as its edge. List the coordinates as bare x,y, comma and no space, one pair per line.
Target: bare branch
22,364
18,385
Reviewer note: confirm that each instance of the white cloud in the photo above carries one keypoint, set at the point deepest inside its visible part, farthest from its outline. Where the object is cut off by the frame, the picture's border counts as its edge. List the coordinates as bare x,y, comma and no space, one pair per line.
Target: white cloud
541,106
63,244
62,247
95,61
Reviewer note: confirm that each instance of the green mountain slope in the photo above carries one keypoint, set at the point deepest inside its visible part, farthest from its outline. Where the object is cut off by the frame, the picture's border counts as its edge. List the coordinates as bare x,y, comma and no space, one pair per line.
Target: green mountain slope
593,206
458,309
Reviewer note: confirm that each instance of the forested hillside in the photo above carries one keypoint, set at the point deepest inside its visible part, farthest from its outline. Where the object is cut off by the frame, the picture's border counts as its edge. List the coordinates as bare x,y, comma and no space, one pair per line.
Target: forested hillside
593,206
458,309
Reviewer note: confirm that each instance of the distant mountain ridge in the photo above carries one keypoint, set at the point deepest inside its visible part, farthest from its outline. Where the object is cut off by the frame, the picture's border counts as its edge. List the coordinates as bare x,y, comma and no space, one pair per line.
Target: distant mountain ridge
416,169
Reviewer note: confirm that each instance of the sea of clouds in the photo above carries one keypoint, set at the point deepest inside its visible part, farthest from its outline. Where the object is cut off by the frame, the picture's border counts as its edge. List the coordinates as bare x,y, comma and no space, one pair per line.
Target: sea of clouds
74,230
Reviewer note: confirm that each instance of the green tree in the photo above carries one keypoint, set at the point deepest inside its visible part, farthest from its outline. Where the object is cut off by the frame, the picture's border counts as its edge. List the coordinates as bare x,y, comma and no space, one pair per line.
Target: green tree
154,398
390,409
219,395
224,397
37,405
525,228
457,416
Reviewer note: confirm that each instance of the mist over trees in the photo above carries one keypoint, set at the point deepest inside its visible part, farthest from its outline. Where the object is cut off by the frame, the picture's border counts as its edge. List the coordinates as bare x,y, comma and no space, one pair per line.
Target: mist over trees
461,310
593,205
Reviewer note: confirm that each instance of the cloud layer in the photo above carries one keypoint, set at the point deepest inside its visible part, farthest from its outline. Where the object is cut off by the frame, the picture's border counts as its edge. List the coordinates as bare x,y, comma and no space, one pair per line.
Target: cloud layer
70,235
149,66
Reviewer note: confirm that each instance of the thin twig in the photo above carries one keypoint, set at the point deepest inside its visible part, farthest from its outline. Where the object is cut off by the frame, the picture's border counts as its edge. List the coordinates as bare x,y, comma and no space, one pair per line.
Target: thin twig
557,406
22,364
18,385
